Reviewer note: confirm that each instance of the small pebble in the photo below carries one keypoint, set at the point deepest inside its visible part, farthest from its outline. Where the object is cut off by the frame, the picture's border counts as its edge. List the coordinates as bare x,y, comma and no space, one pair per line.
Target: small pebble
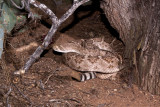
115,90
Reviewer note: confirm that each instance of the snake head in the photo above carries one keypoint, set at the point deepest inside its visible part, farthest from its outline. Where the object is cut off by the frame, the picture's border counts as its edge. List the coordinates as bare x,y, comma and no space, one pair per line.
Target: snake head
66,44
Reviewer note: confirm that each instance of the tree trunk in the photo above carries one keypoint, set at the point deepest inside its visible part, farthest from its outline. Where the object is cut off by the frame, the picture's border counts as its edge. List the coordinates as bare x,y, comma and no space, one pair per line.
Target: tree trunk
138,23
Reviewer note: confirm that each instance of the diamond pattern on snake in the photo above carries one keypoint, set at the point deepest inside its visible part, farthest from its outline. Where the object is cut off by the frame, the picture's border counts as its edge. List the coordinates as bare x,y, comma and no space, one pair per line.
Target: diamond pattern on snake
91,57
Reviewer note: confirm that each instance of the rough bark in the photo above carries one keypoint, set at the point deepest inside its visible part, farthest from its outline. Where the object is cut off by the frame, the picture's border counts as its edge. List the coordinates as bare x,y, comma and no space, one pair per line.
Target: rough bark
138,23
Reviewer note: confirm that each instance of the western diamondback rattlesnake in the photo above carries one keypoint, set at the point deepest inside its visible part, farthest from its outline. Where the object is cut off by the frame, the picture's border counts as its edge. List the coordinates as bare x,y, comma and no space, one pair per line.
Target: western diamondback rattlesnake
94,55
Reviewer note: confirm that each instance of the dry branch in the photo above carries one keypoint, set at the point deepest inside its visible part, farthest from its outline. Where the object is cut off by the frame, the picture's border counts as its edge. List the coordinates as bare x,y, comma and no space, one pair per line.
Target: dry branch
55,24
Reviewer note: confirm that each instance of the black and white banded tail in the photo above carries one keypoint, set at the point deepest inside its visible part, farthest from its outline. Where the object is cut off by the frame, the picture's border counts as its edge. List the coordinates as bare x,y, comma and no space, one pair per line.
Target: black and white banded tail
87,76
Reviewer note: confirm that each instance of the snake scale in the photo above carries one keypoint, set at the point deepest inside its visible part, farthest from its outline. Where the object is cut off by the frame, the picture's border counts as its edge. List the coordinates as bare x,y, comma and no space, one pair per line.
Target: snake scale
92,57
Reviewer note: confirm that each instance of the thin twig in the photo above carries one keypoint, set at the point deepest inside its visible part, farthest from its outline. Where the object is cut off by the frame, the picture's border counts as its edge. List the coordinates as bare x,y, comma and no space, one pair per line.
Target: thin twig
41,85
22,2
7,102
24,96
62,101
7,94
57,69
7,97
72,99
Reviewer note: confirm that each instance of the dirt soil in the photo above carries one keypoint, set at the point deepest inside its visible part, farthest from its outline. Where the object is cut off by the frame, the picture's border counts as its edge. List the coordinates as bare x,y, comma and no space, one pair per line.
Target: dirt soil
47,83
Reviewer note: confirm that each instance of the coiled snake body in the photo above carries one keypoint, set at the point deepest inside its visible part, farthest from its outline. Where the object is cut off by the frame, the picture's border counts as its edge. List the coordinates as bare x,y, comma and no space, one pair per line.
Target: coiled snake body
94,55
